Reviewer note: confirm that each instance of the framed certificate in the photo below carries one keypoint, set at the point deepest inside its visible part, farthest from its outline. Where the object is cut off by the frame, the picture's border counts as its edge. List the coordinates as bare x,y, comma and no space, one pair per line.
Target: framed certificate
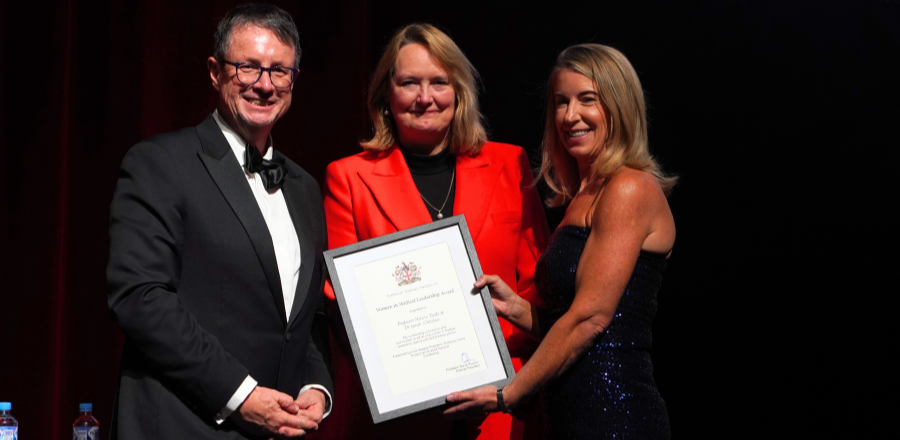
418,329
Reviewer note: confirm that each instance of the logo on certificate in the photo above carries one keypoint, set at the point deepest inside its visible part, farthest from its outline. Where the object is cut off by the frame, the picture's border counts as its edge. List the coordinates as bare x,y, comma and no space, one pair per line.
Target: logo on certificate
407,273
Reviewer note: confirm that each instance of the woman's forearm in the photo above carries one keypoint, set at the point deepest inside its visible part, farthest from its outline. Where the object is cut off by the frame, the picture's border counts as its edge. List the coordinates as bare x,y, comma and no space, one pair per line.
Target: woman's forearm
564,343
524,315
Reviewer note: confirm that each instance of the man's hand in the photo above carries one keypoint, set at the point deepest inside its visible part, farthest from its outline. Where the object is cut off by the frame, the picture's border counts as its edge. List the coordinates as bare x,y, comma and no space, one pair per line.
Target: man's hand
311,404
275,413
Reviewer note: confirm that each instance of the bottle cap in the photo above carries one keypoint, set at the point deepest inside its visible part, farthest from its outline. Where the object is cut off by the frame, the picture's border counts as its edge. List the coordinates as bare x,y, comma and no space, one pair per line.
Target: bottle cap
85,407
5,406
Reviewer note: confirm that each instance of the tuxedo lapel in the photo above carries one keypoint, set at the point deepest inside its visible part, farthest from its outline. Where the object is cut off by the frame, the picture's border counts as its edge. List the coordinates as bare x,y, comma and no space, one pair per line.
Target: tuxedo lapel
475,183
395,192
225,170
298,201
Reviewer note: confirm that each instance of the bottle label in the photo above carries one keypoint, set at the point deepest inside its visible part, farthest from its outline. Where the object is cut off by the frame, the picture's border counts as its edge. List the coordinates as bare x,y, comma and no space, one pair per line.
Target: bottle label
86,433
9,432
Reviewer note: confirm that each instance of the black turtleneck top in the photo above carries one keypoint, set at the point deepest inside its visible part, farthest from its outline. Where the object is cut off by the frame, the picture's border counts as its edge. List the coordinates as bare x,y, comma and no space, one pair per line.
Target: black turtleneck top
432,175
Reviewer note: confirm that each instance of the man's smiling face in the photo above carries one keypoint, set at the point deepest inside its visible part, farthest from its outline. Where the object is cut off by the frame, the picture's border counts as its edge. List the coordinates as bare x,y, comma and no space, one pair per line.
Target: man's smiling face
252,110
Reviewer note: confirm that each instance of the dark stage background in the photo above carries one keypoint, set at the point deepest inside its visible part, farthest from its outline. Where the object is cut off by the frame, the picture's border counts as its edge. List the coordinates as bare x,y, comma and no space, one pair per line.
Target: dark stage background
764,109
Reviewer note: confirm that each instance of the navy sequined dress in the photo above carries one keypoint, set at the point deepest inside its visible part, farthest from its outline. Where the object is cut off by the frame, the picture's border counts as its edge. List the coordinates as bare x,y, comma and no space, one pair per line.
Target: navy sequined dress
608,393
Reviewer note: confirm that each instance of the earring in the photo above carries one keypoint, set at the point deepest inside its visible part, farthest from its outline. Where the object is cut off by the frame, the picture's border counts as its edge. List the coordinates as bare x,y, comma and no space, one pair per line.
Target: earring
387,112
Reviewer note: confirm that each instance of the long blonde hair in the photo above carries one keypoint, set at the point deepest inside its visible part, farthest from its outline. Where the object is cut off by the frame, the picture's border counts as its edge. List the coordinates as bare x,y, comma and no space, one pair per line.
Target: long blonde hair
623,99
467,134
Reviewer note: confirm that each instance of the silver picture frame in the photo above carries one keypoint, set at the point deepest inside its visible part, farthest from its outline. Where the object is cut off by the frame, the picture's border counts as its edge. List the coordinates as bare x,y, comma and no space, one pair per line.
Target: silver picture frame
405,338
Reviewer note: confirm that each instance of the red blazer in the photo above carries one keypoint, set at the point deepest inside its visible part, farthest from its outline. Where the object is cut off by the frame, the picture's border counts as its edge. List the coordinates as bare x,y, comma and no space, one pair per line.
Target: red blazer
372,194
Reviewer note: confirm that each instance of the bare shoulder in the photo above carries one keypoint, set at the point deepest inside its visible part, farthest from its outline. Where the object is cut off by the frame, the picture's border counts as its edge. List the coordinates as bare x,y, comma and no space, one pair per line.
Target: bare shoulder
633,199
632,187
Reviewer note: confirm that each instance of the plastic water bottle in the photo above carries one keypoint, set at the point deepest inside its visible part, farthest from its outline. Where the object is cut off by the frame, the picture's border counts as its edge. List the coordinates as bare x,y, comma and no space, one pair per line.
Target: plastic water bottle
9,426
86,427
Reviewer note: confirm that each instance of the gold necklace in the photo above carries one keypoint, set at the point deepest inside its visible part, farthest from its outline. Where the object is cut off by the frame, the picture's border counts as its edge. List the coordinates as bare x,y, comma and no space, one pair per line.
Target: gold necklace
439,215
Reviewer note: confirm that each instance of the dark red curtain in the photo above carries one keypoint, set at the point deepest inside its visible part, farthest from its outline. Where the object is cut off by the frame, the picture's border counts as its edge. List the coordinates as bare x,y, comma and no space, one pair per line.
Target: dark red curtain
744,99
93,79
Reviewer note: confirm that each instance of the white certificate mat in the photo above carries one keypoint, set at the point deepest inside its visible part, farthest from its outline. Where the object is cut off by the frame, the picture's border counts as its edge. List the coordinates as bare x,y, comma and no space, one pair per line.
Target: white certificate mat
417,329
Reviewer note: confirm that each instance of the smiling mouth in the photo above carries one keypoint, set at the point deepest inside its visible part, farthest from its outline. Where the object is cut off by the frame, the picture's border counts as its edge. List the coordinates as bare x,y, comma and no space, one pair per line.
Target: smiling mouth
425,111
259,103
579,133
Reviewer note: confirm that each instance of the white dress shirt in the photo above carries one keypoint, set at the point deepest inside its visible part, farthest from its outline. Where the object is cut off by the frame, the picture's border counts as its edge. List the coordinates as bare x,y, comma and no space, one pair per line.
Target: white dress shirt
287,253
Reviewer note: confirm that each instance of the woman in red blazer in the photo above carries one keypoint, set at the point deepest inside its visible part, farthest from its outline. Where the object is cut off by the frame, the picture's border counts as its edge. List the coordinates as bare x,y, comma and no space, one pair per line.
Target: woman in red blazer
430,158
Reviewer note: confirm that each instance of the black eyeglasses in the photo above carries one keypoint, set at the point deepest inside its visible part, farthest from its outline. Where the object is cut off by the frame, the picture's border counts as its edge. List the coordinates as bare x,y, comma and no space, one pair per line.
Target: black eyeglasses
249,73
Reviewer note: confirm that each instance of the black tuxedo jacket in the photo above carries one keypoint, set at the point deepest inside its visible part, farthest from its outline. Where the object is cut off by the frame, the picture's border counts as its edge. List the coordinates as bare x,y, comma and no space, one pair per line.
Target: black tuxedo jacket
194,284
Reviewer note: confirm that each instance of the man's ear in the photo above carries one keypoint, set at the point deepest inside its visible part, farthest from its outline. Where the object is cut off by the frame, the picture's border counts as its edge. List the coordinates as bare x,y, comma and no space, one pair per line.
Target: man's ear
214,69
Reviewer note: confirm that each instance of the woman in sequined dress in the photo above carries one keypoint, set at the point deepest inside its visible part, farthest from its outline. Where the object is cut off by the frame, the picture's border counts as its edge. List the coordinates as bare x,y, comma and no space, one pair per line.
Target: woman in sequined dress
604,264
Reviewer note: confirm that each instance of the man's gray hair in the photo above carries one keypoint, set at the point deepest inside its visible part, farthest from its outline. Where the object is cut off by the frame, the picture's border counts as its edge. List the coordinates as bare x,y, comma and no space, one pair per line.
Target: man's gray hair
270,17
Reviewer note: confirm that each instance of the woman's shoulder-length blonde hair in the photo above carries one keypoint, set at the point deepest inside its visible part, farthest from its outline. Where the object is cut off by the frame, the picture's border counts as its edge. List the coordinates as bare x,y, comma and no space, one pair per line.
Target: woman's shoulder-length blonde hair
623,99
467,134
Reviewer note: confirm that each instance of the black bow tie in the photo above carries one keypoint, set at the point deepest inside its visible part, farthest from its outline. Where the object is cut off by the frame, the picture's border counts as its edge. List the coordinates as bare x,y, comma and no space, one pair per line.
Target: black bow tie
272,172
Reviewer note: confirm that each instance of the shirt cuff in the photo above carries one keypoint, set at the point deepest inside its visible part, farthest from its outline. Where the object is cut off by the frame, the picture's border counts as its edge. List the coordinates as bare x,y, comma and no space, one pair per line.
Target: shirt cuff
237,399
323,390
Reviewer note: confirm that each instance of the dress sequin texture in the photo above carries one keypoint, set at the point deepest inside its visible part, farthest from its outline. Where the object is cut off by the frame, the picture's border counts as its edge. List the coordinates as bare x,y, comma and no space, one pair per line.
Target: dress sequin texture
608,393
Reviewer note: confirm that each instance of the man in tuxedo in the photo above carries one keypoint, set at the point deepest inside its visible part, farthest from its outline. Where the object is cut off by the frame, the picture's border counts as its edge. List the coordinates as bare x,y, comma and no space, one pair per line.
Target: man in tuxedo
215,271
